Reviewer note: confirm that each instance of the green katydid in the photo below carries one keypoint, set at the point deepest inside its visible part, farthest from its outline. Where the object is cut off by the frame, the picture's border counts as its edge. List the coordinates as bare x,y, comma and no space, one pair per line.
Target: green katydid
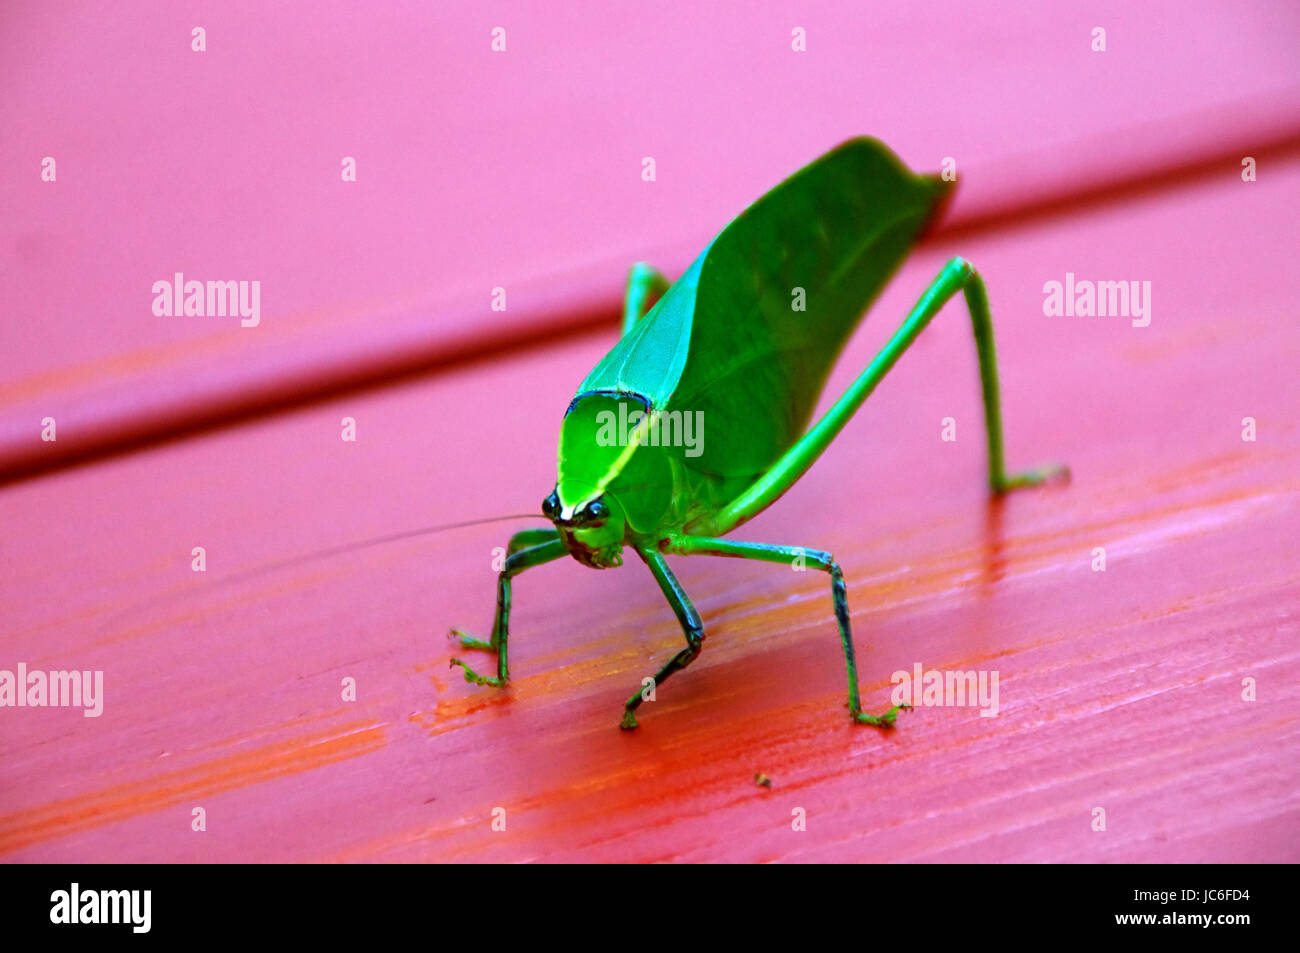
724,343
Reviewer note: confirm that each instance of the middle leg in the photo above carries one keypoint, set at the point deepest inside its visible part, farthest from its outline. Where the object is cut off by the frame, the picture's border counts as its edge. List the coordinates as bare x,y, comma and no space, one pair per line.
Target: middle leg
789,555
692,628
643,283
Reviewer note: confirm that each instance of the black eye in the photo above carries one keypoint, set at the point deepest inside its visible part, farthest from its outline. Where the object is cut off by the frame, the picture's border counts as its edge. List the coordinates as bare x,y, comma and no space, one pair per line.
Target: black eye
551,506
595,510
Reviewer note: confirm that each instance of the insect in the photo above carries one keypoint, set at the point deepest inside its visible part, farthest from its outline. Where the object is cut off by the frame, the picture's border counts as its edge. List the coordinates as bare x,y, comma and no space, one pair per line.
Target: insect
698,419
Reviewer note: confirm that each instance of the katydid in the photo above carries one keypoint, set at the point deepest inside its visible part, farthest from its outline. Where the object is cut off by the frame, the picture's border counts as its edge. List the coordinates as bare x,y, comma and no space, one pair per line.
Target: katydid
724,346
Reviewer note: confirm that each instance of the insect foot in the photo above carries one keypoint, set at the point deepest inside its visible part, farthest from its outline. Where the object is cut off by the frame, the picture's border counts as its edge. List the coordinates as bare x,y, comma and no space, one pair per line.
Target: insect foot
880,721
473,677
468,641
1052,473
629,720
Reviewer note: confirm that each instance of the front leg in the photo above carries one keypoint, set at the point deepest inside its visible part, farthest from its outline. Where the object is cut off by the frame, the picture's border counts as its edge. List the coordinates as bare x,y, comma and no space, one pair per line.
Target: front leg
691,627
516,562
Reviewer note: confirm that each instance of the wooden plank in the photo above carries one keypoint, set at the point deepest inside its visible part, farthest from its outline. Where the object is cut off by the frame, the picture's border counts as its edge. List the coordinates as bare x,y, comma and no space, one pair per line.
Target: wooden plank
475,173
1120,690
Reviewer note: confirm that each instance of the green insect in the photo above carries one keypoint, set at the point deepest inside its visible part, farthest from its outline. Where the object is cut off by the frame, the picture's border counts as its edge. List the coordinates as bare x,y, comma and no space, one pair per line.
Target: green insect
698,419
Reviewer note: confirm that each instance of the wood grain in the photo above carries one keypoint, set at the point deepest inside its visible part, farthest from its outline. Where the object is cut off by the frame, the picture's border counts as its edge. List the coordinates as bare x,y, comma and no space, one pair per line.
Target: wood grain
478,170
1120,690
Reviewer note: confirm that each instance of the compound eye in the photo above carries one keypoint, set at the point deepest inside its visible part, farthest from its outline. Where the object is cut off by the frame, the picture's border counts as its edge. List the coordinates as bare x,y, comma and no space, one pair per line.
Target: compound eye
551,506
595,511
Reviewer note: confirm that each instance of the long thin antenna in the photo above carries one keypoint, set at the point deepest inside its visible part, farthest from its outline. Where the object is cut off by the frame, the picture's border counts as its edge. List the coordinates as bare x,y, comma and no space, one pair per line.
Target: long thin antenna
256,571
373,541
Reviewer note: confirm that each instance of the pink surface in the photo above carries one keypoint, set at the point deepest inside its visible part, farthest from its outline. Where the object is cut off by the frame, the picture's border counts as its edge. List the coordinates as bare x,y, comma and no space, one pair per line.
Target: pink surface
518,169
1119,689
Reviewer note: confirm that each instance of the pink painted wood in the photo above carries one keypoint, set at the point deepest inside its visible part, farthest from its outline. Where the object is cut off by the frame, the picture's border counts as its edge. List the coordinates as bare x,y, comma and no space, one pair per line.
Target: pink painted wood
519,170
1119,690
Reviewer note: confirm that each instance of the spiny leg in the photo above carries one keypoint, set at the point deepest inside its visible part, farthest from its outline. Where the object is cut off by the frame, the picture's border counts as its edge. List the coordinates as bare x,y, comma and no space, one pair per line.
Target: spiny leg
516,562
643,282
789,555
691,627
957,275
